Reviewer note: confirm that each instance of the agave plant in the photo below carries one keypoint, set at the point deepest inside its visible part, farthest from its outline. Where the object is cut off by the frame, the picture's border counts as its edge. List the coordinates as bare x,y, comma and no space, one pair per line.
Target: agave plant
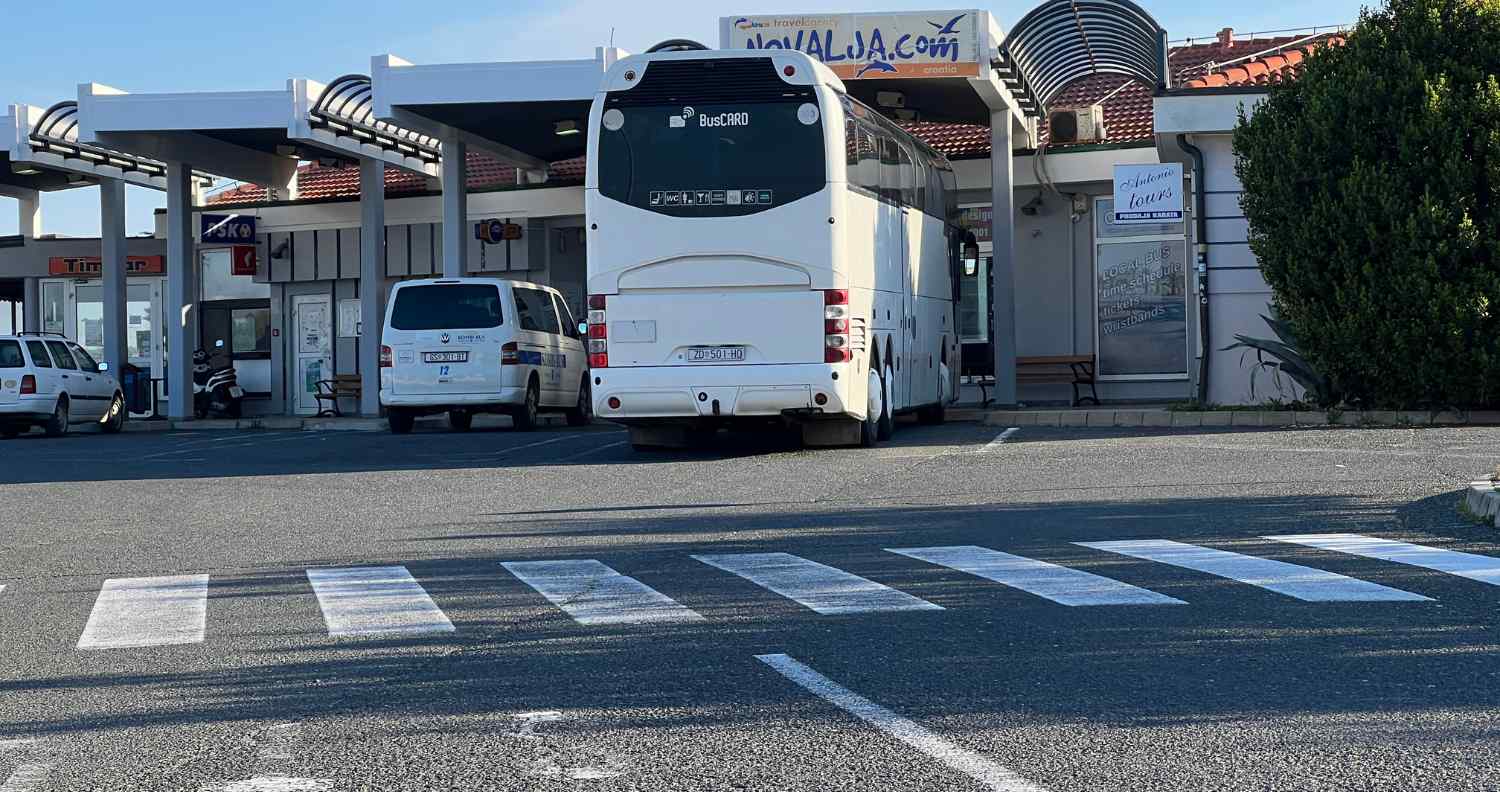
1282,358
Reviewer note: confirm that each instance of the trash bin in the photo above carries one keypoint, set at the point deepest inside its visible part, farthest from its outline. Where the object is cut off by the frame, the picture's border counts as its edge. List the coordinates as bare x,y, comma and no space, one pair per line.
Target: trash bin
136,383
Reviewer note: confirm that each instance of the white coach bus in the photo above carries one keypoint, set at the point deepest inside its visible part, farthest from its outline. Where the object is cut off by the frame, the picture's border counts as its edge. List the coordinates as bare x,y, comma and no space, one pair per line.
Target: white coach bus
763,247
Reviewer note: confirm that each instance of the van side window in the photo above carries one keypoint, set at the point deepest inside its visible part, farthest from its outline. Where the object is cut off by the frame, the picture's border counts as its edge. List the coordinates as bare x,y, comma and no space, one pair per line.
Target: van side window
39,356
535,309
60,354
569,325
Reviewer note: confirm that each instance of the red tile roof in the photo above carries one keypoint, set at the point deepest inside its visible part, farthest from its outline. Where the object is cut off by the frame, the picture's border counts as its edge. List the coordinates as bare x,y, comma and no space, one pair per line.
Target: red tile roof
1128,117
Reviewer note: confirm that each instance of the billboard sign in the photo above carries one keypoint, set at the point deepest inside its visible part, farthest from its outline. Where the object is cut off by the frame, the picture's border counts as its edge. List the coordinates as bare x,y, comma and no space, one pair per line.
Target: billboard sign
867,46
1148,194
92,266
226,229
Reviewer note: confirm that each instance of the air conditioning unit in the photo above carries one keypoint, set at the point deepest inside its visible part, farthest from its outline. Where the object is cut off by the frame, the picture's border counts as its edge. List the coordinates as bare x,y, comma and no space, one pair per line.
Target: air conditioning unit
1077,125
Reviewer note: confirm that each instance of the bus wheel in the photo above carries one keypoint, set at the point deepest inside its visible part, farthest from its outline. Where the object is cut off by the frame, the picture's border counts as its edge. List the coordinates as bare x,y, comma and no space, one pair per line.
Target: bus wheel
887,419
869,429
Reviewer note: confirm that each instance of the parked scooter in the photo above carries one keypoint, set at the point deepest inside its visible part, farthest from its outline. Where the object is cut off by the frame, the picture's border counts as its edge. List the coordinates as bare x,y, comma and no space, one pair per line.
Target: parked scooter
216,390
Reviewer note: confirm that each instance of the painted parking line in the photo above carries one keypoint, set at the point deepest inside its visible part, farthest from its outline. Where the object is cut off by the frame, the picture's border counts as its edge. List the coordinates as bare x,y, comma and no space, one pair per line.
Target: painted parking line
822,588
1000,440
595,450
375,601
1299,582
150,611
1481,568
991,774
27,777
595,594
1057,583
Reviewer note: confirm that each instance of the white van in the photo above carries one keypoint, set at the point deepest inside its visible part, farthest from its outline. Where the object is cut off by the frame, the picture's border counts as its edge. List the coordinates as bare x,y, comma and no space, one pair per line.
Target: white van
469,345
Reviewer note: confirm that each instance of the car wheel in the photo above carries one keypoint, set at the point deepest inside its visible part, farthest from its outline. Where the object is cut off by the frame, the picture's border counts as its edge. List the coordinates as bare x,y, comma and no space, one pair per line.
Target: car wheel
579,415
525,417
57,425
114,420
460,420
887,415
401,421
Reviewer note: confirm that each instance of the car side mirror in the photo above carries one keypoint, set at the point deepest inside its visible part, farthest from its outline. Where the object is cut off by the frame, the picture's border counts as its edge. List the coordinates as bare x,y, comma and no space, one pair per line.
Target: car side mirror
103,367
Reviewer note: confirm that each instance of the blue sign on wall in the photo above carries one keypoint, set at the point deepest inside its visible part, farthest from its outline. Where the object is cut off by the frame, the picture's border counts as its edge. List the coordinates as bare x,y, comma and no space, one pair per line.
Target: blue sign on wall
227,229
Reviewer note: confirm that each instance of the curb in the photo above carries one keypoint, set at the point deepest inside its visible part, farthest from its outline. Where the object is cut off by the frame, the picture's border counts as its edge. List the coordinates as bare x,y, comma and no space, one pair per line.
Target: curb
1482,500
1235,418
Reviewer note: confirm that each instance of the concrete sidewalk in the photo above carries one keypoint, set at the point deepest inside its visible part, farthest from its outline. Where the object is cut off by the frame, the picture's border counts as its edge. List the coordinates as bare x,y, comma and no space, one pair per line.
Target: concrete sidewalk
1126,416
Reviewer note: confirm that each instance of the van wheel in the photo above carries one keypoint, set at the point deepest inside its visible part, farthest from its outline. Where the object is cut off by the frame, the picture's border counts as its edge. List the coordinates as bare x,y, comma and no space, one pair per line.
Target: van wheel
460,420
579,415
401,421
114,420
525,417
887,419
57,425
869,428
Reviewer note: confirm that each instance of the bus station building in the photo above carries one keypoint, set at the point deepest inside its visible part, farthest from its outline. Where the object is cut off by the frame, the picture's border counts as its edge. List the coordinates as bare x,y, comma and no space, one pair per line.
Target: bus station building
282,267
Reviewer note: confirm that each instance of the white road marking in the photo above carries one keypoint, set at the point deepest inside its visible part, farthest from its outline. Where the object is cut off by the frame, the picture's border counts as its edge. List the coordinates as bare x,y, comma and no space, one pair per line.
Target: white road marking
1482,568
277,744
26,777
1057,583
992,775
1300,582
503,451
999,440
546,763
590,451
151,611
593,594
375,601
822,588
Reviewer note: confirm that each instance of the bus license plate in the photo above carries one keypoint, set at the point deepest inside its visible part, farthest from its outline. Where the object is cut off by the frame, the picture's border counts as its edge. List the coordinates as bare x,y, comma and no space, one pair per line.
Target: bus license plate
726,354
445,357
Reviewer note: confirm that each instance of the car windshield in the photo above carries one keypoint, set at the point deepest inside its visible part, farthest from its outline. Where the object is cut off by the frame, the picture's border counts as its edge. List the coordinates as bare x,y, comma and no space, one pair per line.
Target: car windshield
444,306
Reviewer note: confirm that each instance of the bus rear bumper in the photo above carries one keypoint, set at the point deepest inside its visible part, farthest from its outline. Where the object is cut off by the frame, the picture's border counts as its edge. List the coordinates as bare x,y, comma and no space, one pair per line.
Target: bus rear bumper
667,393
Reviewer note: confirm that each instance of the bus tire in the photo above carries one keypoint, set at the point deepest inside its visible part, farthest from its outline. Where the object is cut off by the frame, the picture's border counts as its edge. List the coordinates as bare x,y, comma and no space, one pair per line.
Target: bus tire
401,421
869,428
887,417
460,420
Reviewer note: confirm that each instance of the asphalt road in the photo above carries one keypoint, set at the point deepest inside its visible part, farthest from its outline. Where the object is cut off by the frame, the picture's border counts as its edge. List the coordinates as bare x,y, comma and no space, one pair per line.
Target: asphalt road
678,674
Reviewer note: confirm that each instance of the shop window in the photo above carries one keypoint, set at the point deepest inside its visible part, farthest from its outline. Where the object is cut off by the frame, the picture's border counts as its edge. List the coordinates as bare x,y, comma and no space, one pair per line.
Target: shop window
243,327
1141,317
250,329
53,318
219,282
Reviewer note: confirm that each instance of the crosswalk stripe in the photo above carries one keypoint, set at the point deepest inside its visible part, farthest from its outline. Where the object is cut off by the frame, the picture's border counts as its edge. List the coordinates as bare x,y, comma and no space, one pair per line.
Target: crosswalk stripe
592,593
1485,569
375,601
148,611
1299,582
1057,583
822,588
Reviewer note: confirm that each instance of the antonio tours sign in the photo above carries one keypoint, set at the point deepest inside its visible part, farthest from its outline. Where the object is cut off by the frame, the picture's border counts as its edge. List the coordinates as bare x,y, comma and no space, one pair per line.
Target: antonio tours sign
1148,194
863,46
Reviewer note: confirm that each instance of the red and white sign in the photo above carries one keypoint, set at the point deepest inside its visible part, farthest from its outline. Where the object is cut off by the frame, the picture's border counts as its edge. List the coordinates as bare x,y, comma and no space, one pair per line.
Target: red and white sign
243,258
92,266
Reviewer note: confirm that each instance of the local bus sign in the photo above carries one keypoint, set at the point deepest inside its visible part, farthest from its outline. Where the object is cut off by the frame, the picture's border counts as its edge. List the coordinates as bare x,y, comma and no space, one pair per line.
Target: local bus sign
866,46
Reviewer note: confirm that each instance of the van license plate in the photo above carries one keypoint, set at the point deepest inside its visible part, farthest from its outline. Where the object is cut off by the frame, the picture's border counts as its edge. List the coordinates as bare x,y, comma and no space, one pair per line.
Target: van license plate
445,357
724,354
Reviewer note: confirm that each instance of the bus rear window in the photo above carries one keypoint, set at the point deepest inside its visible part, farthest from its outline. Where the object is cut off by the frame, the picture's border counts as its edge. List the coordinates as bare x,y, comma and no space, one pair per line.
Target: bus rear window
711,138
458,306
10,355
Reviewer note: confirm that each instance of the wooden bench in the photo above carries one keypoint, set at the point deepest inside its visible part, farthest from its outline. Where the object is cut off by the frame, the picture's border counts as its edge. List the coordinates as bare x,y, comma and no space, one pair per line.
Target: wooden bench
1074,370
342,386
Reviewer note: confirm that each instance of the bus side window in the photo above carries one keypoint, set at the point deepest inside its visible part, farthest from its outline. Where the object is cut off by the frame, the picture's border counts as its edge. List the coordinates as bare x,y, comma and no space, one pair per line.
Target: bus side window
890,167
869,159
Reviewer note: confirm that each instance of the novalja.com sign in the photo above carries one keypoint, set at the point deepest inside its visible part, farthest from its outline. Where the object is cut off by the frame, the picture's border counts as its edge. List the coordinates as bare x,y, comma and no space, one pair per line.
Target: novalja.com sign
863,46
1148,193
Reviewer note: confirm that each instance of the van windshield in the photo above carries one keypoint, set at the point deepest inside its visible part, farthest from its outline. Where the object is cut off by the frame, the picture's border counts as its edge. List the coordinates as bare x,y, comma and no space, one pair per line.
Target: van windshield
458,306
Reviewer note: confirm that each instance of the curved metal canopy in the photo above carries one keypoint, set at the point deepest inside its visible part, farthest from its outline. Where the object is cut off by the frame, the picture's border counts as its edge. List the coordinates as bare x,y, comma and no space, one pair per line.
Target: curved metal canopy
347,106
1061,41
57,132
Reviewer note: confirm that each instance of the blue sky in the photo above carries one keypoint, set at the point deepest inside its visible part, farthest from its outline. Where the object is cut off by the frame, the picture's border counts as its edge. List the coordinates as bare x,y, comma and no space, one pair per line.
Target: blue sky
188,45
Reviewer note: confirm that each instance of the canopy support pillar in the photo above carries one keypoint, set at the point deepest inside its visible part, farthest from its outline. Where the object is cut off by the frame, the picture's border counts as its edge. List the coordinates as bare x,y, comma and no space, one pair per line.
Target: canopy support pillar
371,280
455,206
182,293
1003,268
112,272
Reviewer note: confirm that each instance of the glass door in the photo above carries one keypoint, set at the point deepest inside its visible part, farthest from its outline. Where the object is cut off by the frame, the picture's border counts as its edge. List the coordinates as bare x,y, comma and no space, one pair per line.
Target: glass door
82,308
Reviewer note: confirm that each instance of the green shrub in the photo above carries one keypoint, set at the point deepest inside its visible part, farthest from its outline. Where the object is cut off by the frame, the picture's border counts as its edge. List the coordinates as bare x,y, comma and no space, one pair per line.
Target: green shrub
1372,186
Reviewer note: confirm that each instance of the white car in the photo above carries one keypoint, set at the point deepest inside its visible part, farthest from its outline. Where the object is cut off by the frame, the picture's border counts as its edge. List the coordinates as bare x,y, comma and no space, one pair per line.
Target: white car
51,382
470,345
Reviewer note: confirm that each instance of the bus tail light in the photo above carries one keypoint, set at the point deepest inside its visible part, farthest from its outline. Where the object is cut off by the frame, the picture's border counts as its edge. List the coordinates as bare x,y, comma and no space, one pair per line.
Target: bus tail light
28,385
598,332
386,356
510,353
836,326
